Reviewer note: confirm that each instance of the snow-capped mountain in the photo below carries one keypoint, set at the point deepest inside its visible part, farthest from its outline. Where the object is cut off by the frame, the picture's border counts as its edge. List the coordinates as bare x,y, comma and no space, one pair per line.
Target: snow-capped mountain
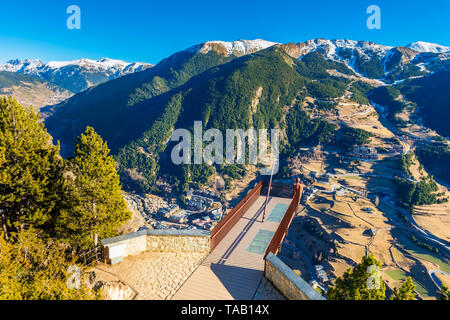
421,46
237,48
76,75
28,66
377,61
338,49
369,59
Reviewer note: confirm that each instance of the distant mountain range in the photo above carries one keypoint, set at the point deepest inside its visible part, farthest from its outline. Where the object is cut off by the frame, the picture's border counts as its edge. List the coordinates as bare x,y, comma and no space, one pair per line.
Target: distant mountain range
61,79
74,76
375,61
34,83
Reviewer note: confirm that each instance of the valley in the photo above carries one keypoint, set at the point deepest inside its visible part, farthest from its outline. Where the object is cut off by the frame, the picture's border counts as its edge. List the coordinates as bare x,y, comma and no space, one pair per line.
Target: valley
31,91
358,126
348,221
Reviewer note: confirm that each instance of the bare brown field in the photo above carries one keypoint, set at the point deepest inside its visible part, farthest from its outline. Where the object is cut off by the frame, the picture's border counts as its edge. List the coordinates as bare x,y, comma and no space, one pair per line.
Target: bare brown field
434,218
342,218
443,279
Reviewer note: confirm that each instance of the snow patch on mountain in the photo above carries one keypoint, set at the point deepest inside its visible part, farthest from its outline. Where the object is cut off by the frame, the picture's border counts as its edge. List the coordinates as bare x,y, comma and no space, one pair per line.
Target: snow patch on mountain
82,73
377,61
238,48
421,46
36,67
335,49
28,66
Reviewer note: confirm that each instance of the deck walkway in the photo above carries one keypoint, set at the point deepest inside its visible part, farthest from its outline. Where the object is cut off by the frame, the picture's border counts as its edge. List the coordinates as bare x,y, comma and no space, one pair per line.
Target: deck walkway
234,269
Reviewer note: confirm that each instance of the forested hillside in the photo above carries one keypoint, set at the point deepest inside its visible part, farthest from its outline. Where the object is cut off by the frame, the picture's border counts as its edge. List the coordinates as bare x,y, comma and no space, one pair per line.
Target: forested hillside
431,94
110,107
250,91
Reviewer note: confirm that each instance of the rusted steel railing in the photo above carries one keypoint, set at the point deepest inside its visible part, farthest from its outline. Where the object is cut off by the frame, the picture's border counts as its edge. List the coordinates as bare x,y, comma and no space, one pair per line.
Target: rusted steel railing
282,230
228,222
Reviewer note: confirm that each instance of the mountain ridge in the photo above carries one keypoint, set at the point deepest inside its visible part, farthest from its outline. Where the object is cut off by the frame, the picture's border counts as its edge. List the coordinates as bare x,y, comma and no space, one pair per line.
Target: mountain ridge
75,75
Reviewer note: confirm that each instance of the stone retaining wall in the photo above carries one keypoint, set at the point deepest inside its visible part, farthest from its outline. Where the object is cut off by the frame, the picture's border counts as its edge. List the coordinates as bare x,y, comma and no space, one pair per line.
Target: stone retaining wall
135,243
290,284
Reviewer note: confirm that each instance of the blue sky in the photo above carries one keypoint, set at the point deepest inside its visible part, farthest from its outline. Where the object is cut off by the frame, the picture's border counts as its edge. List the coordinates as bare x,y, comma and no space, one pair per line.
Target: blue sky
149,30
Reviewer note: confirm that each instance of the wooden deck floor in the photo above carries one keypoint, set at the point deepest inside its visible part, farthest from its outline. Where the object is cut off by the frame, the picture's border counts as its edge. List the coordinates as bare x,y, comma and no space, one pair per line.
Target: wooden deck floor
231,271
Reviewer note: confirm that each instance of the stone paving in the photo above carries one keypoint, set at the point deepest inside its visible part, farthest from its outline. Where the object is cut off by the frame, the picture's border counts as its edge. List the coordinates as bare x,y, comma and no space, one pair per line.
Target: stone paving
266,291
155,275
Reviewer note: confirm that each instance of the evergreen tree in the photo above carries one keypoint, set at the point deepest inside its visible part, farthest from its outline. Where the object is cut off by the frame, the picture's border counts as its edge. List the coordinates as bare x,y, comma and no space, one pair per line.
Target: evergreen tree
444,294
361,283
95,207
364,282
406,291
30,169
35,268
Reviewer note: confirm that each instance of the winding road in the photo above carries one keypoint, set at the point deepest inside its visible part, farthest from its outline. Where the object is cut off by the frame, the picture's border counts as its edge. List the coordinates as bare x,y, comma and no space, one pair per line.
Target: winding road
436,281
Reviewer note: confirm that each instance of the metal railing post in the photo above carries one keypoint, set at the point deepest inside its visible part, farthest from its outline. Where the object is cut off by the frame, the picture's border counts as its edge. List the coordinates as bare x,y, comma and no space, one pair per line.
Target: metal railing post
268,192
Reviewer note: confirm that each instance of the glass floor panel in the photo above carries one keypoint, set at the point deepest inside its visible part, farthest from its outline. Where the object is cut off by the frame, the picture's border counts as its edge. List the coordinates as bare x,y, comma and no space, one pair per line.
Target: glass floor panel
260,242
278,212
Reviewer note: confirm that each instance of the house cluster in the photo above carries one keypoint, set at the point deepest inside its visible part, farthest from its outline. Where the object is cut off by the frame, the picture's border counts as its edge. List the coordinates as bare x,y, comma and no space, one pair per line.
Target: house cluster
164,186
396,149
173,213
135,201
216,213
364,152
164,214
343,191
324,178
204,223
153,204
210,218
321,273
165,225
161,225
198,202
205,193
308,194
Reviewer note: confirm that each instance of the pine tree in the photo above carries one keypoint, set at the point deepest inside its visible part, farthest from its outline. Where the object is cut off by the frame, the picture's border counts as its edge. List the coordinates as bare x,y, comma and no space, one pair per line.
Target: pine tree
36,268
95,207
30,169
364,282
405,292
444,294
361,283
